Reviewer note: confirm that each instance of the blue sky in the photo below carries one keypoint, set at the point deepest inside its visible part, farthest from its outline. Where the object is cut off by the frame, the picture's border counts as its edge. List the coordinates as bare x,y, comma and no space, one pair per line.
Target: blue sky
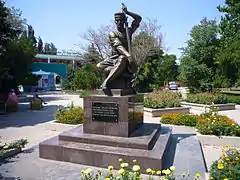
62,22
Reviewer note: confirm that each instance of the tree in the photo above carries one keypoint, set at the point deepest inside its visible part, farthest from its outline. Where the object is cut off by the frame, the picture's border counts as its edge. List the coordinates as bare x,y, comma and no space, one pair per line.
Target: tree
195,75
92,55
229,51
99,38
53,49
6,30
47,48
169,68
203,43
40,45
84,79
18,44
50,48
197,64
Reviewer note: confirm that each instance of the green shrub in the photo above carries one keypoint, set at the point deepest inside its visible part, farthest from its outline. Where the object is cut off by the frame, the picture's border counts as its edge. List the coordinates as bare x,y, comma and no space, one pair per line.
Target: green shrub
180,119
72,115
84,94
162,99
227,166
233,98
207,98
85,80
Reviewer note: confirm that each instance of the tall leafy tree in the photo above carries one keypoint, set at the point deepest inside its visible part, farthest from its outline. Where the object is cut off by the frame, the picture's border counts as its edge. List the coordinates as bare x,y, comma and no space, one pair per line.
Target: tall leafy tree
40,45
169,67
47,48
19,44
53,49
195,75
229,52
200,51
203,43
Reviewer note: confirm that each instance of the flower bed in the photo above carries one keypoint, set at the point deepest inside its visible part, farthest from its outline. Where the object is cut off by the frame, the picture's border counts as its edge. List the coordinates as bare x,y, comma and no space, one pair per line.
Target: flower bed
207,124
162,99
13,148
227,166
69,115
125,172
180,119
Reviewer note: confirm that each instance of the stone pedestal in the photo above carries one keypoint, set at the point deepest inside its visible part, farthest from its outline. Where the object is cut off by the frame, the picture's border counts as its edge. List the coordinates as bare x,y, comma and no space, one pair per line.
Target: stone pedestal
113,115
113,128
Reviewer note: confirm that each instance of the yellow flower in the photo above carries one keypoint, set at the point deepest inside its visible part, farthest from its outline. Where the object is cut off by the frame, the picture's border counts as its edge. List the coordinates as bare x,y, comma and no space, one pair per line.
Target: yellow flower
82,171
225,179
121,171
197,175
120,160
237,158
211,178
136,168
227,159
158,172
110,168
107,179
87,171
110,173
163,178
172,168
5,147
148,170
167,172
124,165
134,160
220,166
152,172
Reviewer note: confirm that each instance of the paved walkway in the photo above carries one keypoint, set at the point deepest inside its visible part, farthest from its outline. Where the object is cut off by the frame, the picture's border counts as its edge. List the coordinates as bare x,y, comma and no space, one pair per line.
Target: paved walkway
38,125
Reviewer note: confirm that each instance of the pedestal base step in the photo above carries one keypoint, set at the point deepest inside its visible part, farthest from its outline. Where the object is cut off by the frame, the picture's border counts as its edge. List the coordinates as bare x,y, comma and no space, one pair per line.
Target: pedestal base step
104,155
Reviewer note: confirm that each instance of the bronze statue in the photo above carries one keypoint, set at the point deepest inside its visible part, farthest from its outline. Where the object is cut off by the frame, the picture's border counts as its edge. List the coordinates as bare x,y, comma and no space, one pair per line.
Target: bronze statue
121,65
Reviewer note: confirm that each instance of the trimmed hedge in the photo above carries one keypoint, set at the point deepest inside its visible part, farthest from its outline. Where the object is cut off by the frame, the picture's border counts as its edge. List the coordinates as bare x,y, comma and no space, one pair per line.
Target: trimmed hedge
207,98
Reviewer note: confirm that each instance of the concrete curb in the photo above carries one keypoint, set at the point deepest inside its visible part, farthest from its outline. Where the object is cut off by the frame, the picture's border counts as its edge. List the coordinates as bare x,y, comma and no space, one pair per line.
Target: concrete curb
161,111
203,107
219,141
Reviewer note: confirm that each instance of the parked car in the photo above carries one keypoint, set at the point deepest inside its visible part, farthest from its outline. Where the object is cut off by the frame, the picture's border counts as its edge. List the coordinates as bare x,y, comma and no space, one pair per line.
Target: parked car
172,86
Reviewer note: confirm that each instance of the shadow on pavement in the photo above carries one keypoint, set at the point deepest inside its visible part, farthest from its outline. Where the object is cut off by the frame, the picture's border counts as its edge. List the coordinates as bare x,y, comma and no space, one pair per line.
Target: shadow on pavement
170,156
27,117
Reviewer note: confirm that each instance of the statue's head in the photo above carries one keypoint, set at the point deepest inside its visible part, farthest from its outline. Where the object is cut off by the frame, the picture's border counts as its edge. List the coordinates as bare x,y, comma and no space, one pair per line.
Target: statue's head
119,19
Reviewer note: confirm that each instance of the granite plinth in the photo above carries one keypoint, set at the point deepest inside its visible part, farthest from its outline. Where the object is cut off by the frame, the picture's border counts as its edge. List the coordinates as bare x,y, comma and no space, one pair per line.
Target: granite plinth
116,115
142,138
102,155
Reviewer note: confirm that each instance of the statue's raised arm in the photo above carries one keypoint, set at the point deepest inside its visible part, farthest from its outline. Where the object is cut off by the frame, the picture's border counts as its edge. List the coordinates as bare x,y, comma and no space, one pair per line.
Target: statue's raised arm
136,18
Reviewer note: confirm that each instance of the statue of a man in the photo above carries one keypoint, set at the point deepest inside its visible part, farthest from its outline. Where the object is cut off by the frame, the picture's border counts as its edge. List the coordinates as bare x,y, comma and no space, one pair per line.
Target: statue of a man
120,65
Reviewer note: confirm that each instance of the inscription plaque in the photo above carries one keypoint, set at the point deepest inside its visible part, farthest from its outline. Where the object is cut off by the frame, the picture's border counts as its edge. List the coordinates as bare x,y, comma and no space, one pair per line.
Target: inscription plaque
106,112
